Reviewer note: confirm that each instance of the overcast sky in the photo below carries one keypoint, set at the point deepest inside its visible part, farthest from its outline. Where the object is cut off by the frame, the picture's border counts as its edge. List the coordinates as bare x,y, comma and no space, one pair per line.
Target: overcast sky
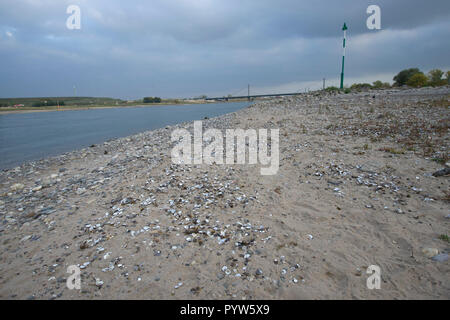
186,48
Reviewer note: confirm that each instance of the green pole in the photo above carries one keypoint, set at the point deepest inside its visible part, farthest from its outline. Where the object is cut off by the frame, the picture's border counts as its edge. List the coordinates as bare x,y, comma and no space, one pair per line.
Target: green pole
344,28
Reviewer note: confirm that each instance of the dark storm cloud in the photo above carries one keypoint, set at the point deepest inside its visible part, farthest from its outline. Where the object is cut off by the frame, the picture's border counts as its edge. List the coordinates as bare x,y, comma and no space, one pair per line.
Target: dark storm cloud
186,48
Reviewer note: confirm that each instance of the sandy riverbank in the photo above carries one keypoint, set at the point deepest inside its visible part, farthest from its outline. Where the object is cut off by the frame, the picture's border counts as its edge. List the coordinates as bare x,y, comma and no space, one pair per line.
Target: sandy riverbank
69,108
72,108
354,189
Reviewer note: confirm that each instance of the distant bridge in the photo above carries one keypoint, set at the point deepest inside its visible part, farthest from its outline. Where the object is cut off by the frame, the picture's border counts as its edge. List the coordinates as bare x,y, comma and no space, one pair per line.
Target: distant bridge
254,96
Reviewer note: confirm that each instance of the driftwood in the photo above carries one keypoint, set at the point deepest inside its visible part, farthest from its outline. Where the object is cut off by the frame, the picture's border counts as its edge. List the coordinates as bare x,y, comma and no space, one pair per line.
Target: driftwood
442,172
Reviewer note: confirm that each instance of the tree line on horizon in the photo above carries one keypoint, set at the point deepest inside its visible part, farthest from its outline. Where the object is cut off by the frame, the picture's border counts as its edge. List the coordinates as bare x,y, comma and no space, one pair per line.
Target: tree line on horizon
48,103
152,100
411,77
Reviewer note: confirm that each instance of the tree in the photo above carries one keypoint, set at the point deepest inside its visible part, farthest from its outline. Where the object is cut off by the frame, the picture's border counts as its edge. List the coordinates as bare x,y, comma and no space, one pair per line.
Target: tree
403,76
436,77
379,85
447,76
417,80
152,100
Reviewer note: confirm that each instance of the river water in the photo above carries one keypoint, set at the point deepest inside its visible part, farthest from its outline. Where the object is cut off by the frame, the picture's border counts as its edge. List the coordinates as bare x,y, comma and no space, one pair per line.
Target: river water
32,136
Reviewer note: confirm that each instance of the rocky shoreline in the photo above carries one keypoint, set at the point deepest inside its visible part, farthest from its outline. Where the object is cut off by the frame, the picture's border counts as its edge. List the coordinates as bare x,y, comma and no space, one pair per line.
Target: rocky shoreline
354,188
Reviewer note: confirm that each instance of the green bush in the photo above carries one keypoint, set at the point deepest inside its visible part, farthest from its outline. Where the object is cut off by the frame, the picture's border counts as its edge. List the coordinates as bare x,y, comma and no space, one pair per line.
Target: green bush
381,85
417,80
331,89
361,86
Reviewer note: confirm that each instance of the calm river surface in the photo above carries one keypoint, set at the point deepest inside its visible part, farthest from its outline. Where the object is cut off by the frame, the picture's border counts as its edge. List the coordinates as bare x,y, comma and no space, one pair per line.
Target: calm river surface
32,136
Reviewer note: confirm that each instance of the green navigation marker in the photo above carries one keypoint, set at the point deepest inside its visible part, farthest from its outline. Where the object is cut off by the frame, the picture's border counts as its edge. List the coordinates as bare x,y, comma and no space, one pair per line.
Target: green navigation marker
344,28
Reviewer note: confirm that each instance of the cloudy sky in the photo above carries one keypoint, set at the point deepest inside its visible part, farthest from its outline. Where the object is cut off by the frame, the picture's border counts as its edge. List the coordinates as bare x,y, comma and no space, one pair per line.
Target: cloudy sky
186,48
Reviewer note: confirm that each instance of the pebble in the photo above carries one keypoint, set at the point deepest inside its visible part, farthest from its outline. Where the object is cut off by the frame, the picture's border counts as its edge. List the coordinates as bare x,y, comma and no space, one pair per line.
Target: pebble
443,172
25,238
17,187
98,282
440,257
179,284
430,252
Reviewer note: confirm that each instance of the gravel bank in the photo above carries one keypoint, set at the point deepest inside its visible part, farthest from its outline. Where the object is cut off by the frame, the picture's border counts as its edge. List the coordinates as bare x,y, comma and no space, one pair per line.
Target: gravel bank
354,188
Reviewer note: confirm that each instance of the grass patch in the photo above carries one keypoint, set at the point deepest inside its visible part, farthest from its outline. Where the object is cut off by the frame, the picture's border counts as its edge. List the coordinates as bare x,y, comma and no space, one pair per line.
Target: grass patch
444,102
392,150
439,160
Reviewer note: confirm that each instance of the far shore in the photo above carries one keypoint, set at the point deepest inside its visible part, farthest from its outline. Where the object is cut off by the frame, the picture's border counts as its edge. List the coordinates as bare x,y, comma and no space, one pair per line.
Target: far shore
71,108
